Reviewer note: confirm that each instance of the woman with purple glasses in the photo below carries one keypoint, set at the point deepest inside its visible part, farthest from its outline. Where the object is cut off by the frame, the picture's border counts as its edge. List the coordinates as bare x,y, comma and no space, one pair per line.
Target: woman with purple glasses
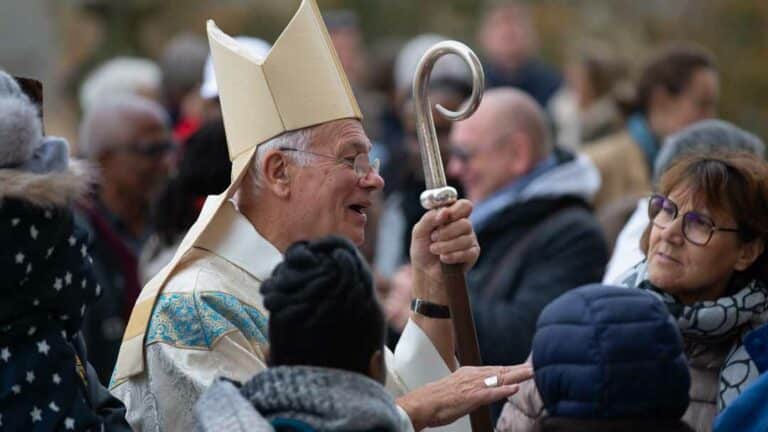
705,258
704,248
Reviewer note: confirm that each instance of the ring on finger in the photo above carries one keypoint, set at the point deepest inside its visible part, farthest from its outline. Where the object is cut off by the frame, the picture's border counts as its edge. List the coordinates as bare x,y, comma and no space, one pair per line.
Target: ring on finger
492,381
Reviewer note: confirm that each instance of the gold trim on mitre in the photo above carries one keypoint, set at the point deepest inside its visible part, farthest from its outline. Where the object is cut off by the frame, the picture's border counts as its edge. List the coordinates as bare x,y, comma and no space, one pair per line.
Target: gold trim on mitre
299,84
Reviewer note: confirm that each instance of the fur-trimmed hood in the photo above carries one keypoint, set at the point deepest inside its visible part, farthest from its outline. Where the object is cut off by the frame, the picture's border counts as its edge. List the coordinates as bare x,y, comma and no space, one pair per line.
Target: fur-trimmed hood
52,189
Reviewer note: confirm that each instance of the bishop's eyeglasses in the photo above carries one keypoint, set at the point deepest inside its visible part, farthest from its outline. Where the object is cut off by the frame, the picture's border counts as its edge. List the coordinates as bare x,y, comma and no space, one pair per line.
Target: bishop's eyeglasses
360,163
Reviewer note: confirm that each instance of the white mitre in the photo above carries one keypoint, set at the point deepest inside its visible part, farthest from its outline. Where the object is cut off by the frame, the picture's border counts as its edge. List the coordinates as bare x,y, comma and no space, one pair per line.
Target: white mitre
300,83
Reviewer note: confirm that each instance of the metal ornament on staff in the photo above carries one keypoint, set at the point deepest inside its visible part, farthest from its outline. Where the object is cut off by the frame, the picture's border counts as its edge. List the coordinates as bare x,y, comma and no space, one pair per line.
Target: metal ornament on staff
439,194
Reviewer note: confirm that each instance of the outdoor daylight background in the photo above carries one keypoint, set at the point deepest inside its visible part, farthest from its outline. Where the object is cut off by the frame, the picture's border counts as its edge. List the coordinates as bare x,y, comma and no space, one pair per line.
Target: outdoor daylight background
59,41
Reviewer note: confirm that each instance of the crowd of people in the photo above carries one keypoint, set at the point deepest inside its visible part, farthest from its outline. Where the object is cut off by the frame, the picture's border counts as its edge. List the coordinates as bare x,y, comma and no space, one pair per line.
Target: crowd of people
185,266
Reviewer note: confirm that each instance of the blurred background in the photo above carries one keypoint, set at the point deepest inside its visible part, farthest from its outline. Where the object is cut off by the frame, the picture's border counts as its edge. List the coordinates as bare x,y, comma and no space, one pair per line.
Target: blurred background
60,42
125,83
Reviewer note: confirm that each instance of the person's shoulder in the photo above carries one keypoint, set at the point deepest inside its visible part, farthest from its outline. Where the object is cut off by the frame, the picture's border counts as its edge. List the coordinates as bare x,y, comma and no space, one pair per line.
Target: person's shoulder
608,146
574,216
198,268
176,319
200,303
223,407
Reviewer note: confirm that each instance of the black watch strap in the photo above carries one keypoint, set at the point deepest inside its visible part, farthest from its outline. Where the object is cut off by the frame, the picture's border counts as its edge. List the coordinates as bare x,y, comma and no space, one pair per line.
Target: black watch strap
429,309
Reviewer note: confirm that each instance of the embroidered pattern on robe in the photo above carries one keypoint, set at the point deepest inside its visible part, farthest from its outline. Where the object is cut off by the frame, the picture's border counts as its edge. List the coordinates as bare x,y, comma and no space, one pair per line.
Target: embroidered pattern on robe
197,320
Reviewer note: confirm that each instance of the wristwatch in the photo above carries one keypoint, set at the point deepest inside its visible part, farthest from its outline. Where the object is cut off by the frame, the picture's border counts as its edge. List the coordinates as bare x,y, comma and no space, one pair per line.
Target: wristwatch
429,309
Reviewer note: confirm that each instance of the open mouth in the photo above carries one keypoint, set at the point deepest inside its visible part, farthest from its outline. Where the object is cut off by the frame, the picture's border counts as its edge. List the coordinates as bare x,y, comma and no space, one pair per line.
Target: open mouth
358,208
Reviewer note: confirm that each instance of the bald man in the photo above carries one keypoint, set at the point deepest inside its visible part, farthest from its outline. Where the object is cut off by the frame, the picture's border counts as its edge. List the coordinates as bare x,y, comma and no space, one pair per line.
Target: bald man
128,139
532,219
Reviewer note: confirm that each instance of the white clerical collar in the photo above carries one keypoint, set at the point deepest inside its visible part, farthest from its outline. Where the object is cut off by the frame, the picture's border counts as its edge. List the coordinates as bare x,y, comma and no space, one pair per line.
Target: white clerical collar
232,236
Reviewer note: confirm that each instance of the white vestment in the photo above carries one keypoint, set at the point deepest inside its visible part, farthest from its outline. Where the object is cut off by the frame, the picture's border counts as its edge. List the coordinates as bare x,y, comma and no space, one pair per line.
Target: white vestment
209,322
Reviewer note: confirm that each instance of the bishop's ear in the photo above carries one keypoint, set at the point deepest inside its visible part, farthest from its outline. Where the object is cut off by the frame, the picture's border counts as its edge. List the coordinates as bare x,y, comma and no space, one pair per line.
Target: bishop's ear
275,173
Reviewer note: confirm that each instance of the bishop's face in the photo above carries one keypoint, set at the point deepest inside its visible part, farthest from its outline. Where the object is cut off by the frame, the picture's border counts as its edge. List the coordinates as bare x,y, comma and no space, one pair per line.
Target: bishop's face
329,196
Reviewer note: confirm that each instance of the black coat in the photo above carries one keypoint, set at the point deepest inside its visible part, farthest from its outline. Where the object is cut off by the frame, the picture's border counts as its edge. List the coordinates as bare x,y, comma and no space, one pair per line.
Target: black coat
46,382
531,253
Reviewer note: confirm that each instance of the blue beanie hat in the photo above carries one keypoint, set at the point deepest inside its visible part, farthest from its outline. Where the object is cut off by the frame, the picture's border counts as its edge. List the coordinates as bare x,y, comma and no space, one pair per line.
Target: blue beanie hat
608,352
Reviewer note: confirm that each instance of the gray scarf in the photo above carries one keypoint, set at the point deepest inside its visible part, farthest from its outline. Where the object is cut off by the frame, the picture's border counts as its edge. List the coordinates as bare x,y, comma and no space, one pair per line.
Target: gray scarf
325,399
707,323
314,398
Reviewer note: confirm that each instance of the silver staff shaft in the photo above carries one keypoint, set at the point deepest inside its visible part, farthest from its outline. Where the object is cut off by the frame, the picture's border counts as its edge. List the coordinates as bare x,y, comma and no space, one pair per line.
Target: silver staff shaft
438,194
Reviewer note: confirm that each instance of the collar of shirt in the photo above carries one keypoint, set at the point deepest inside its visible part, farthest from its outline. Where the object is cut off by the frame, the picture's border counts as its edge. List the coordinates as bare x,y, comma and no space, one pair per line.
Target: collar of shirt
487,208
232,236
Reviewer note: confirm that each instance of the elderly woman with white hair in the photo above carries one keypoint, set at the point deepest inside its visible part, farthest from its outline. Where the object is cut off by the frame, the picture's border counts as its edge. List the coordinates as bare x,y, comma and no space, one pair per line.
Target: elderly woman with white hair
121,76
128,138
46,382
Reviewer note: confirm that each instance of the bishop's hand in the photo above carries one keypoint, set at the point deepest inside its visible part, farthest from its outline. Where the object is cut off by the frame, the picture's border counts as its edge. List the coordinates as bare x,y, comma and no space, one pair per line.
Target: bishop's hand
442,235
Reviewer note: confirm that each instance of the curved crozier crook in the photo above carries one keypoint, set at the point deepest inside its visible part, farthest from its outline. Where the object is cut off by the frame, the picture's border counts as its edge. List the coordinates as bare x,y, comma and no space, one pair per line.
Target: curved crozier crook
425,122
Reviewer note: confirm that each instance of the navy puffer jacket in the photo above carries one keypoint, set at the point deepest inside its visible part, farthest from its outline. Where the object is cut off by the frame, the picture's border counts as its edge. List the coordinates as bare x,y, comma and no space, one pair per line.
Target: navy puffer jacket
610,353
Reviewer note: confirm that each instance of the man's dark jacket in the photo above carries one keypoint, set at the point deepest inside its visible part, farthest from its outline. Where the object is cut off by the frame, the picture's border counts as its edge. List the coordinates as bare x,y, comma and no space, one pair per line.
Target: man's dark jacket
539,246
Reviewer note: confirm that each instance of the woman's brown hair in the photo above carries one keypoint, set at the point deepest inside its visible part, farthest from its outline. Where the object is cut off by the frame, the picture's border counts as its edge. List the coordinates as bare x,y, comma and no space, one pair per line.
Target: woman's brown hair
671,69
735,182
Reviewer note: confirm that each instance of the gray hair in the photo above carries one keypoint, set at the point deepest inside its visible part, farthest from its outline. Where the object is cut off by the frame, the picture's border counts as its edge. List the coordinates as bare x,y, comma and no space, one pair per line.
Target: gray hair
121,75
108,124
706,136
20,130
300,139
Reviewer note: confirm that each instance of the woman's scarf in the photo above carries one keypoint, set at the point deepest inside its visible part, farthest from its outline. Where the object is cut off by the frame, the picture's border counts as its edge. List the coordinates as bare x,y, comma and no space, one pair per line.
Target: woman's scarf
707,323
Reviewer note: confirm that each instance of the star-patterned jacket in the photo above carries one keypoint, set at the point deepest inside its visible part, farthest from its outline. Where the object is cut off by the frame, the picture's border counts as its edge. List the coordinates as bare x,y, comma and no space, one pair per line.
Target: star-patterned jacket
48,284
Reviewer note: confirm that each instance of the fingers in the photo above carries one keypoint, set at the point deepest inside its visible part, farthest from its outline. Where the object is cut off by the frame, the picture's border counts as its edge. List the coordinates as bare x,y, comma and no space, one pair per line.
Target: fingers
455,241
462,392
451,230
509,379
432,219
516,374
425,225
461,243
507,374
494,394
467,257
461,209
